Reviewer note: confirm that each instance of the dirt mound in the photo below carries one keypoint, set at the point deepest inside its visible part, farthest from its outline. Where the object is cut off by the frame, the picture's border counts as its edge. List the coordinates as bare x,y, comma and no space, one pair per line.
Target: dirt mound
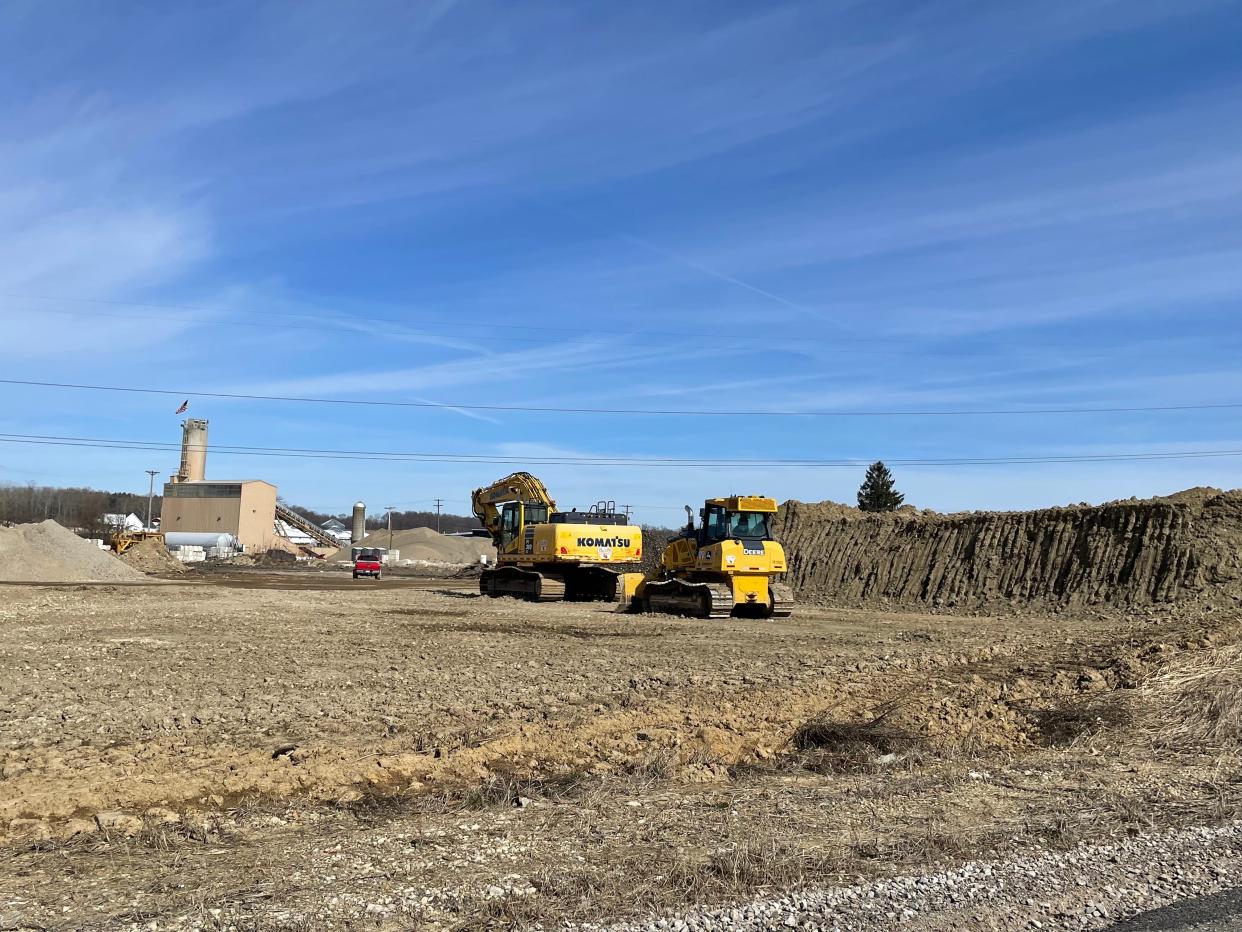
1199,495
422,543
1137,552
276,556
47,552
151,556
655,539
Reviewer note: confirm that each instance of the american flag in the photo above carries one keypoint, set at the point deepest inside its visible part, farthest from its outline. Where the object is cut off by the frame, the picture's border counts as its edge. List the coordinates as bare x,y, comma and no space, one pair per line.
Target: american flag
185,404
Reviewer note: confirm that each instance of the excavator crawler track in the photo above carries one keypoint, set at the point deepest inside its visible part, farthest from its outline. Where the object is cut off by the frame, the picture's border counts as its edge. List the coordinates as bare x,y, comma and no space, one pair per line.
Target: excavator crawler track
696,599
518,583
591,584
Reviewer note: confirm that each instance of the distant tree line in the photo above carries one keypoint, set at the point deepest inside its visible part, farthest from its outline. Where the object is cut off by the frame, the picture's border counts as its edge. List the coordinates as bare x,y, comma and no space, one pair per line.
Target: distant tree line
82,510
79,509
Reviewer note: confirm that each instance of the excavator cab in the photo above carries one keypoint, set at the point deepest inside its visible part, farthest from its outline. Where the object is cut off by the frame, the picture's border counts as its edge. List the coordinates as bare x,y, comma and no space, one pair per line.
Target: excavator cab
514,516
510,523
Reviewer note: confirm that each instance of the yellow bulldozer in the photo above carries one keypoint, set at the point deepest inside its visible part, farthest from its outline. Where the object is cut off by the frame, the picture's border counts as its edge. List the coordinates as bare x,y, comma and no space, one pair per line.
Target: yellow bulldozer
723,567
545,555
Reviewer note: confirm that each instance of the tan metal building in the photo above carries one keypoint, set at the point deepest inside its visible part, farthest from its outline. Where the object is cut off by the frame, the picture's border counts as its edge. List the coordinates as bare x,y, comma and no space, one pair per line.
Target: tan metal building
245,508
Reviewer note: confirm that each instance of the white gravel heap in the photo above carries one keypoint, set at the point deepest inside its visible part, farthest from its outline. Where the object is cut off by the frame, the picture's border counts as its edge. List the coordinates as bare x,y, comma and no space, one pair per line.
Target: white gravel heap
47,552
1086,888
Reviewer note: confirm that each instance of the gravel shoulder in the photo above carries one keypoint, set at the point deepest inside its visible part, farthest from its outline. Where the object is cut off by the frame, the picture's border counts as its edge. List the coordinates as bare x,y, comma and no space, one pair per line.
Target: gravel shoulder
1088,887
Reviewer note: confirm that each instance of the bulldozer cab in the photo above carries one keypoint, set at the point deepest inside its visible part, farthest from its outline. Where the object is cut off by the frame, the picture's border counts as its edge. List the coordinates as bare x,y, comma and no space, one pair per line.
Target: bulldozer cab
735,518
721,524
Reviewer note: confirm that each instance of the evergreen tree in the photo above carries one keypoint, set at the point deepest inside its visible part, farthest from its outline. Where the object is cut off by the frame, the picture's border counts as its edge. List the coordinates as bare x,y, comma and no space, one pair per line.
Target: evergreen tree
877,492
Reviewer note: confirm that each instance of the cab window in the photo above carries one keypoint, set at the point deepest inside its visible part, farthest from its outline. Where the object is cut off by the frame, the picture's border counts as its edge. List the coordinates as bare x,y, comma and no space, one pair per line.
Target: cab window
509,522
714,524
748,525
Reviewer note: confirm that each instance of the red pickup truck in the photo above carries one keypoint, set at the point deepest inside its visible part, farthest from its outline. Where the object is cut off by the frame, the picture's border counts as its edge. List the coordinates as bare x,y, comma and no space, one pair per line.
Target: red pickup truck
367,563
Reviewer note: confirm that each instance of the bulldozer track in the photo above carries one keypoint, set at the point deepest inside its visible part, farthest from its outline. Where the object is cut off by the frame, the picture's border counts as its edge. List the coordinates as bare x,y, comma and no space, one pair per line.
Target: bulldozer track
782,600
697,599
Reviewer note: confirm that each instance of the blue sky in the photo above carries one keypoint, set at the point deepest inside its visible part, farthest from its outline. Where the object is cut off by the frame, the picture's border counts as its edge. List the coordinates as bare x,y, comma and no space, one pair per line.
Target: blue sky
712,206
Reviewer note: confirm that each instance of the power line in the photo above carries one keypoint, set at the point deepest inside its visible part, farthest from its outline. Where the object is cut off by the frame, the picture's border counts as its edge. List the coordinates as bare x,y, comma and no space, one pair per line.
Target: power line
670,412
457,458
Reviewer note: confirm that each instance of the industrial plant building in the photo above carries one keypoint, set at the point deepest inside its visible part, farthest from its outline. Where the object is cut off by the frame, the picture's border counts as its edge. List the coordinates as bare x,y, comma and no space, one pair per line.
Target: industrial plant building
245,508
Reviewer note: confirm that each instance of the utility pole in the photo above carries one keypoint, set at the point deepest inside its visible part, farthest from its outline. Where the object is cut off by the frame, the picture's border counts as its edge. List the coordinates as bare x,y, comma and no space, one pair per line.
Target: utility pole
151,494
439,502
390,509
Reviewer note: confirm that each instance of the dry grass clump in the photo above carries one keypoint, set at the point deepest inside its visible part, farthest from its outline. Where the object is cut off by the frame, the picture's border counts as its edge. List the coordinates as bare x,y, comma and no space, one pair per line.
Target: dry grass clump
1196,701
739,867
506,789
1081,716
825,746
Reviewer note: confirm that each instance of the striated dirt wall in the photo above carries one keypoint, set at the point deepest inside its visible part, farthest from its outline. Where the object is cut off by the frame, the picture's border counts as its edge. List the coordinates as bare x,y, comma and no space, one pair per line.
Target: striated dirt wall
1187,546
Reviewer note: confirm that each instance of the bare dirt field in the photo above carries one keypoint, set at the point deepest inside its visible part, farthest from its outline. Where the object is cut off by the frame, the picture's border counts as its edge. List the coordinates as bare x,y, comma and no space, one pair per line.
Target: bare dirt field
287,749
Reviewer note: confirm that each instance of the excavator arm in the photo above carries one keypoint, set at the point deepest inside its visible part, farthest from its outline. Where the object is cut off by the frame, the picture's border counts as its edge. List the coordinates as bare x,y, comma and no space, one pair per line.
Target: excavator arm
518,487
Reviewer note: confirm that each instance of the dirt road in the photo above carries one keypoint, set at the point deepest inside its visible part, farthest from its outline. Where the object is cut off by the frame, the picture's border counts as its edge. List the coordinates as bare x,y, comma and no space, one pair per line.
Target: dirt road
307,751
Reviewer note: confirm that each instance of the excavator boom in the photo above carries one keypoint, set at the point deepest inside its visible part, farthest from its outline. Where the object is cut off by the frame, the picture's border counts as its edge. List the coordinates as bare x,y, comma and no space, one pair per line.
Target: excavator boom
517,487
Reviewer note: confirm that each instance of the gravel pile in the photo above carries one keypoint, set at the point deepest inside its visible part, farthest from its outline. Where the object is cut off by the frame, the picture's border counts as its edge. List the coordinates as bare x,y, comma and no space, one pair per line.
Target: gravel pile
423,543
1086,888
47,552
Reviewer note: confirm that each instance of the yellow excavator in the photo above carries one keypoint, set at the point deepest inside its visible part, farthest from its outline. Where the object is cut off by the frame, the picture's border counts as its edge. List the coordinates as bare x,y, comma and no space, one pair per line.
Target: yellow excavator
545,555
723,567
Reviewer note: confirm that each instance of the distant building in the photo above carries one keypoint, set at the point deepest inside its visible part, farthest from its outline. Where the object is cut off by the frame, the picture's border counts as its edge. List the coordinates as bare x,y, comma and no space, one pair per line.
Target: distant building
129,522
336,527
245,508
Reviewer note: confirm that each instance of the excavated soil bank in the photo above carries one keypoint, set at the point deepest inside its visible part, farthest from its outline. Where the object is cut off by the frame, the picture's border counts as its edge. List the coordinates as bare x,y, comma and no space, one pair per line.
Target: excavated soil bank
1186,547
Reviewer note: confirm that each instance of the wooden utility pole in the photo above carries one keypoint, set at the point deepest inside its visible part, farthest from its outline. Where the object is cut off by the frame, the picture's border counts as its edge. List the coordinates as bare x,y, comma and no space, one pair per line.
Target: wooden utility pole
151,495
